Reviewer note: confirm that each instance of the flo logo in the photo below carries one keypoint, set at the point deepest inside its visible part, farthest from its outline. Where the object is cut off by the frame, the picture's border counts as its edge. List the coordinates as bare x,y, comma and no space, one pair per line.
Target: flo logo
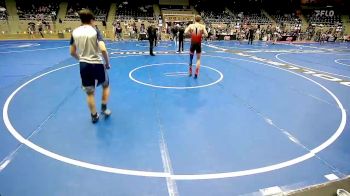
327,13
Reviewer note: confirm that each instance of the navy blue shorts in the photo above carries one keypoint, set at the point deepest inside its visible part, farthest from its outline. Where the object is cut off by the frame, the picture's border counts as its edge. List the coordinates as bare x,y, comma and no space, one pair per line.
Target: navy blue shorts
195,47
92,75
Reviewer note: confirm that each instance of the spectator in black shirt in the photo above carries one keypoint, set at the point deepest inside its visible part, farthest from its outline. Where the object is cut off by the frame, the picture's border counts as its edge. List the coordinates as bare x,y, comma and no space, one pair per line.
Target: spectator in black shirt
40,28
118,32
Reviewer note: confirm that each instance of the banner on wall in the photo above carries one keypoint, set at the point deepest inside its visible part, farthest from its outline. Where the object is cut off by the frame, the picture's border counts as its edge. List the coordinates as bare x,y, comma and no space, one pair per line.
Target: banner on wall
324,13
174,2
173,18
288,38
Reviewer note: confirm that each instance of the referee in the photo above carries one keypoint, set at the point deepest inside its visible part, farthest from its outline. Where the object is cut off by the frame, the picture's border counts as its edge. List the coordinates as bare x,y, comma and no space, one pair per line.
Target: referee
251,35
181,38
151,38
85,45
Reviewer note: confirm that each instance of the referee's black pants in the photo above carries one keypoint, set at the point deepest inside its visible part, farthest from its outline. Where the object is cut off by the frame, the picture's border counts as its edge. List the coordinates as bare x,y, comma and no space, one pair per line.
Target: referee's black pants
181,44
250,40
151,44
